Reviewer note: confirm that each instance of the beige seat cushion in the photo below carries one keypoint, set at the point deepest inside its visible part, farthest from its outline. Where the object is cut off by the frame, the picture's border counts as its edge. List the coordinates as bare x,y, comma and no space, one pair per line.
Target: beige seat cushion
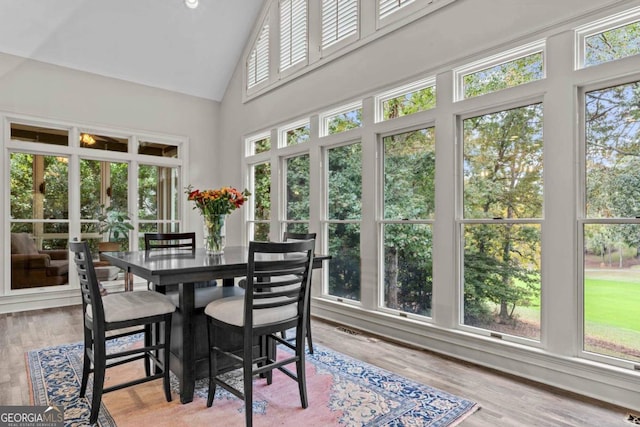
231,310
134,305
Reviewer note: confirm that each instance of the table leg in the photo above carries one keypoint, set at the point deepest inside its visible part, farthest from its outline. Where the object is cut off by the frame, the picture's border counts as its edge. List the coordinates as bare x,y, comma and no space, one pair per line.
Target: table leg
187,307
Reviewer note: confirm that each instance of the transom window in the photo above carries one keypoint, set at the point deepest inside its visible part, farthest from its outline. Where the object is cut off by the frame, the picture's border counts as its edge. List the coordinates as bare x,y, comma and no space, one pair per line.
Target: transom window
341,119
405,100
293,32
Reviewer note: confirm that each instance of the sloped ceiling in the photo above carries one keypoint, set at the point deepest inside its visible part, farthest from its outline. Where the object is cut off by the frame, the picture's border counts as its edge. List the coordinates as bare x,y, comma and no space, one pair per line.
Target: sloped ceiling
158,43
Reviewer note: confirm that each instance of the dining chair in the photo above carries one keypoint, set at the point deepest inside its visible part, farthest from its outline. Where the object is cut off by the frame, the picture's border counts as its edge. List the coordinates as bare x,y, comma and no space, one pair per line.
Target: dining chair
136,311
275,299
183,241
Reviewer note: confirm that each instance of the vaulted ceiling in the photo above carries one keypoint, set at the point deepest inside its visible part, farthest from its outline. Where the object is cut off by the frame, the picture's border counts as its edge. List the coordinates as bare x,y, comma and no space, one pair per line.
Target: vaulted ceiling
158,43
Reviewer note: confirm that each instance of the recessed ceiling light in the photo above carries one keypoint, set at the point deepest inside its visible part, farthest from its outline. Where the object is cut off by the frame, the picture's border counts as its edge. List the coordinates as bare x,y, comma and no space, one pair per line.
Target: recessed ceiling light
191,4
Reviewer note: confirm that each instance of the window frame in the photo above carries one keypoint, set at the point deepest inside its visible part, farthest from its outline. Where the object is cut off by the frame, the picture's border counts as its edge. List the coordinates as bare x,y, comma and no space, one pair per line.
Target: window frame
325,117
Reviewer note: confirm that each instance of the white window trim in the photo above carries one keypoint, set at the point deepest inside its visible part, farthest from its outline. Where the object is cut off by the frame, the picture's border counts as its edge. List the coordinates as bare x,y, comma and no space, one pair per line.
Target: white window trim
249,143
399,91
328,115
609,23
459,73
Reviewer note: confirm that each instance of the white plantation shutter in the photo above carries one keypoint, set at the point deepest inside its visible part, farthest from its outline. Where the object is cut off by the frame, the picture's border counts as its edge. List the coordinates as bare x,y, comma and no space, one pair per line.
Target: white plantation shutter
258,64
387,7
293,32
339,20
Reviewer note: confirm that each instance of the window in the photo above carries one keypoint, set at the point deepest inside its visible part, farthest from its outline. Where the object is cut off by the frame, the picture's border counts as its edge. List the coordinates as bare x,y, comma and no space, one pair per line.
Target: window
157,149
293,32
258,144
344,208
406,100
615,37
258,63
339,20
515,67
42,135
407,228
97,141
158,204
341,119
294,134
502,211
387,7
297,199
611,229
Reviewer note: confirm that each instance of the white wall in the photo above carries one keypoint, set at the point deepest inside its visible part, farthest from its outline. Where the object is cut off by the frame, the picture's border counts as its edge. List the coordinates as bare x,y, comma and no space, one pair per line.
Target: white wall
61,94
465,31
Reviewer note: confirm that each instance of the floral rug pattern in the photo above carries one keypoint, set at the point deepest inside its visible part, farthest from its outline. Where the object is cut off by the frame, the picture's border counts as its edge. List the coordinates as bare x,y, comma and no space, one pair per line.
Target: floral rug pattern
360,394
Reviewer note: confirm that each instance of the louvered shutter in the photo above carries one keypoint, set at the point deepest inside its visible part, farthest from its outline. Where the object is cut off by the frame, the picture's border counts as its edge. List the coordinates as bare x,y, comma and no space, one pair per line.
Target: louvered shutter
293,32
258,64
339,20
387,7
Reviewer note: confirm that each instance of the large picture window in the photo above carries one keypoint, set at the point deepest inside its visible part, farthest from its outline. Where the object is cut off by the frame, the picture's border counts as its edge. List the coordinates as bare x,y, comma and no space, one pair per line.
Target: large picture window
611,230
409,207
502,210
344,210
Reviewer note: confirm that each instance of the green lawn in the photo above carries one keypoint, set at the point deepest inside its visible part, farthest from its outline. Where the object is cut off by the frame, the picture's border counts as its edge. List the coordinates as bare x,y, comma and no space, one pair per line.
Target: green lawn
612,299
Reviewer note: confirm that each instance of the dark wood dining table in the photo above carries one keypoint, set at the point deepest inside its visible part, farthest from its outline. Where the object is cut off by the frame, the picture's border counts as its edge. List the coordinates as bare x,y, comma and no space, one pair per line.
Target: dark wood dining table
188,269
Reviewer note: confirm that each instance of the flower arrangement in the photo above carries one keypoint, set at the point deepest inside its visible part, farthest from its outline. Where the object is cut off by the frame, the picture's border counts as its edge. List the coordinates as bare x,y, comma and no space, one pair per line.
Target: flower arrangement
221,201
214,205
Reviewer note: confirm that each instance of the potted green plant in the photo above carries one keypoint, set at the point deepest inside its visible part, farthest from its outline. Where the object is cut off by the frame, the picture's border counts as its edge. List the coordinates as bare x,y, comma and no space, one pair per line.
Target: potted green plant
115,223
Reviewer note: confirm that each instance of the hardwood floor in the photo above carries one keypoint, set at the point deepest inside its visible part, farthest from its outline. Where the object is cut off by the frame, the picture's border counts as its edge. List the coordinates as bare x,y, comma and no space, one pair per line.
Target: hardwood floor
504,400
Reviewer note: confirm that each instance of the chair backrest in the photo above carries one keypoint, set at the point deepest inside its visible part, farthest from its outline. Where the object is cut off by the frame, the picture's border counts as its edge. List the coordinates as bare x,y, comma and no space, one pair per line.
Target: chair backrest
289,237
278,275
186,241
89,285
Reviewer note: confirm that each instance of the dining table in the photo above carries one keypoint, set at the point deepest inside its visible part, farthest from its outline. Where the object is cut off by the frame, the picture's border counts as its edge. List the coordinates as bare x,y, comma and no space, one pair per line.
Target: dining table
190,278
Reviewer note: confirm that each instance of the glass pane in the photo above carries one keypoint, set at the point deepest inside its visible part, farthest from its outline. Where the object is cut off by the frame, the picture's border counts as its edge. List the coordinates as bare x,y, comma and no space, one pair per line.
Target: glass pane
613,44
409,175
345,182
28,133
104,142
612,290
409,103
158,193
39,186
344,268
502,278
298,227
157,149
262,145
261,231
344,121
261,191
297,187
408,269
39,200
613,152
503,164
509,74
298,135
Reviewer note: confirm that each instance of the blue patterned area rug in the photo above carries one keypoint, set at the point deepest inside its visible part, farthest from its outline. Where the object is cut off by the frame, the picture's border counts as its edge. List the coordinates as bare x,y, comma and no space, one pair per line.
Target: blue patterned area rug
342,391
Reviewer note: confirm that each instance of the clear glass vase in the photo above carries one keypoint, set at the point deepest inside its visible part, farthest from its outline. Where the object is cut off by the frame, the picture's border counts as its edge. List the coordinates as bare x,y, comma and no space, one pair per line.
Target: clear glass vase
214,234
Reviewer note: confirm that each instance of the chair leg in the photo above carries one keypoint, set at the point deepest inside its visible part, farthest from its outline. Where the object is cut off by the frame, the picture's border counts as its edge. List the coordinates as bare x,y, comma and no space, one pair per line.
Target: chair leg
213,364
99,354
309,340
167,356
247,369
300,370
147,343
86,361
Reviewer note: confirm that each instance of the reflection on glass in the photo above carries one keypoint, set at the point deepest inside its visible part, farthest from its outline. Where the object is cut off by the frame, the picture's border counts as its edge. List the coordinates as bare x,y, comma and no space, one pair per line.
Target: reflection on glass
103,142
42,135
157,149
